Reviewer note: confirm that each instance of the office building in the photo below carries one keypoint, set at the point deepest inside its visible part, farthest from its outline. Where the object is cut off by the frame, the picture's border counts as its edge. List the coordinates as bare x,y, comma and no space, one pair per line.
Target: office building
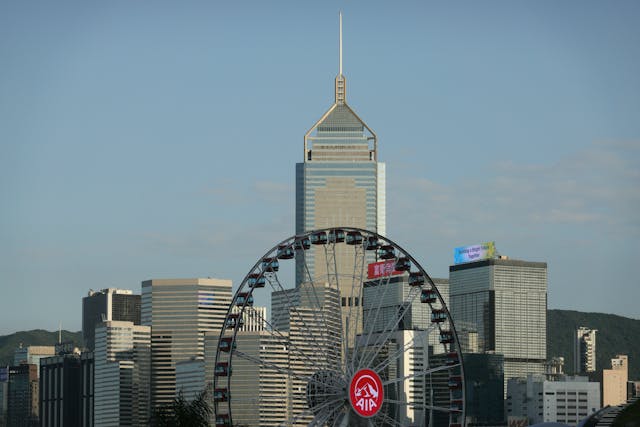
180,313
32,354
191,379
340,183
254,318
484,385
4,394
309,317
584,351
263,387
614,381
504,302
104,305
567,401
122,370
22,396
66,396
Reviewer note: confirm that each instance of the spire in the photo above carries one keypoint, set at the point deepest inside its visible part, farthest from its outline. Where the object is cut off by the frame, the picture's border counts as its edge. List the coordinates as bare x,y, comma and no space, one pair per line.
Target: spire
340,72
341,82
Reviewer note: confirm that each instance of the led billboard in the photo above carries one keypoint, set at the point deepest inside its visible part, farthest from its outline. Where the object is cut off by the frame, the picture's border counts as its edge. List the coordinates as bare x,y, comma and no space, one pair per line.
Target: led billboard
471,253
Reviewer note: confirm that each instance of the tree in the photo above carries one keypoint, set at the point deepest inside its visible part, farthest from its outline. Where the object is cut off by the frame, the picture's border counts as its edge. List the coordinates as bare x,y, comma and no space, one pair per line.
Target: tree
181,413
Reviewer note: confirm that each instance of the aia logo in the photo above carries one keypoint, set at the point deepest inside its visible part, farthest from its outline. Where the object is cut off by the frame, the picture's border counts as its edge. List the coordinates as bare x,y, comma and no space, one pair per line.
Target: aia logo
365,393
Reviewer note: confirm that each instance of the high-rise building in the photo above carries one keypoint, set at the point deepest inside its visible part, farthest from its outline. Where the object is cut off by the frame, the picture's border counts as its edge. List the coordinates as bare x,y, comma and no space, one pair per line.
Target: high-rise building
121,390
23,396
504,301
614,381
340,183
32,354
484,385
584,350
4,394
307,319
107,304
66,397
263,387
567,401
180,313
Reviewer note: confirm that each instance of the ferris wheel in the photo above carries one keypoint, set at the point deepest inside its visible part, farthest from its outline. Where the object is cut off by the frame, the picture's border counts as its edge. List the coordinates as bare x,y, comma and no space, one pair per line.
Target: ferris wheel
357,334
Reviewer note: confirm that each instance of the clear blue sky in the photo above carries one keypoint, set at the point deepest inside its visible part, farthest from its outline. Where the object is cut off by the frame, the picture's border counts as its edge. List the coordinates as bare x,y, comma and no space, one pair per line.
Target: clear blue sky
159,139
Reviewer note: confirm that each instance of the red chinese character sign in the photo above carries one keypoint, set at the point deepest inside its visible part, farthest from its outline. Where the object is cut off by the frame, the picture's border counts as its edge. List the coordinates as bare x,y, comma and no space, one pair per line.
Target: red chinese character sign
366,393
382,268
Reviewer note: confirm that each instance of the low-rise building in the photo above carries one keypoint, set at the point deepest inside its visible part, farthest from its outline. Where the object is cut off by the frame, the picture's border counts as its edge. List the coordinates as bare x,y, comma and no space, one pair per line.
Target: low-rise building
567,401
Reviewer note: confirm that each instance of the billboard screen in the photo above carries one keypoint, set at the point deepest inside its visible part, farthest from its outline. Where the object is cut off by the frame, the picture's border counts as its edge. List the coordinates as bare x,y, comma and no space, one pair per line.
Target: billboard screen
474,252
382,268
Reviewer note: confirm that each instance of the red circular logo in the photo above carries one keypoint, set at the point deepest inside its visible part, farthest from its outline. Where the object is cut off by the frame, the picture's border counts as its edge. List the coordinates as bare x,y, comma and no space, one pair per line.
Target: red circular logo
365,393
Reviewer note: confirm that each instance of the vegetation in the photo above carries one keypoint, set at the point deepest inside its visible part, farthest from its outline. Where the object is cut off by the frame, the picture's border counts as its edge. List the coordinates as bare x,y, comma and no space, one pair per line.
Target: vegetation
616,335
9,343
181,413
629,417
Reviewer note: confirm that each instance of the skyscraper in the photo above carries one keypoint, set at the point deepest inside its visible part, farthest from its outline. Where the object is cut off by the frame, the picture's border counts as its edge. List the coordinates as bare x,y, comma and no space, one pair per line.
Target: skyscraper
180,312
107,304
504,302
121,394
340,182
584,352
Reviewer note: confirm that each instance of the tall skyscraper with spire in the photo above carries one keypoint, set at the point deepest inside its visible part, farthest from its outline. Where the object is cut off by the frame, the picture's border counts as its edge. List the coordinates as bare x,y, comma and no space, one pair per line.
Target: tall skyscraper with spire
340,183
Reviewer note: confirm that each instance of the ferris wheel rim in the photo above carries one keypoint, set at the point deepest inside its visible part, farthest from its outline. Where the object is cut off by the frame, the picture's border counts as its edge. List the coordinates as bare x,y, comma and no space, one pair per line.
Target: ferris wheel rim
261,272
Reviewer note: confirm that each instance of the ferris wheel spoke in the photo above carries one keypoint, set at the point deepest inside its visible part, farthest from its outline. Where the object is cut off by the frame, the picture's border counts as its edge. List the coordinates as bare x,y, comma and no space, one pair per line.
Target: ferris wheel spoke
398,353
368,321
293,308
390,328
321,419
421,406
379,344
320,310
420,373
289,372
388,419
287,339
357,282
310,412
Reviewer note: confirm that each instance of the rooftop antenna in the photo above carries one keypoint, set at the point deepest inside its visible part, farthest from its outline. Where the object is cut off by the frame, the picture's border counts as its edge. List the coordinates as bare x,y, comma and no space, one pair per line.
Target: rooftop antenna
340,73
340,80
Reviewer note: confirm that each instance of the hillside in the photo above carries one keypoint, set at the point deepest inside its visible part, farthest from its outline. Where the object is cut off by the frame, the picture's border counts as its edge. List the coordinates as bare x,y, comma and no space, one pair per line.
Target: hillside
8,343
616,335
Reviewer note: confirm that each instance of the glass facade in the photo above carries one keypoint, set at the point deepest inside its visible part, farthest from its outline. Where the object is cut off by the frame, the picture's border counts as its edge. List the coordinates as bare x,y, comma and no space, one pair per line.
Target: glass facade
108,304
504,302
339,184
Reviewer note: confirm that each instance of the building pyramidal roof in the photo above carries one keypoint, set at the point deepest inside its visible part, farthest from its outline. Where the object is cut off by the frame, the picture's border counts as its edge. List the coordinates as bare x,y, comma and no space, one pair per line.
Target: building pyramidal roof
340,115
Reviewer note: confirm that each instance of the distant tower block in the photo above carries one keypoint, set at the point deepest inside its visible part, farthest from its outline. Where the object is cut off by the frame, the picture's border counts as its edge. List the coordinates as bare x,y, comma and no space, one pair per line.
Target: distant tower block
584,354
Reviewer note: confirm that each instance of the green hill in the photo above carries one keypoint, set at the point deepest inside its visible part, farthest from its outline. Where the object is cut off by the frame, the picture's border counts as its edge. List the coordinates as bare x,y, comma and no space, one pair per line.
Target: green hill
8,343
616,335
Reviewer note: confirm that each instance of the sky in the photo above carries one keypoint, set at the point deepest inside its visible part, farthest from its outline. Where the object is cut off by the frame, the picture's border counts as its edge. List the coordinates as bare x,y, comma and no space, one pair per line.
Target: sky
144,140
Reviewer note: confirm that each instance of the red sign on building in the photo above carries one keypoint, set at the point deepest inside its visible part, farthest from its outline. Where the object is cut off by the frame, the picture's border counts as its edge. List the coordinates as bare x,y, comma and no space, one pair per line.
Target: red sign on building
382,268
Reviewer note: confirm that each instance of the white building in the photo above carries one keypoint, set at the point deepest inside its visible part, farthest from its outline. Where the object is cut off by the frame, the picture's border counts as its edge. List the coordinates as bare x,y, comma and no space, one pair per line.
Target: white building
568,401
121,374
584,352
